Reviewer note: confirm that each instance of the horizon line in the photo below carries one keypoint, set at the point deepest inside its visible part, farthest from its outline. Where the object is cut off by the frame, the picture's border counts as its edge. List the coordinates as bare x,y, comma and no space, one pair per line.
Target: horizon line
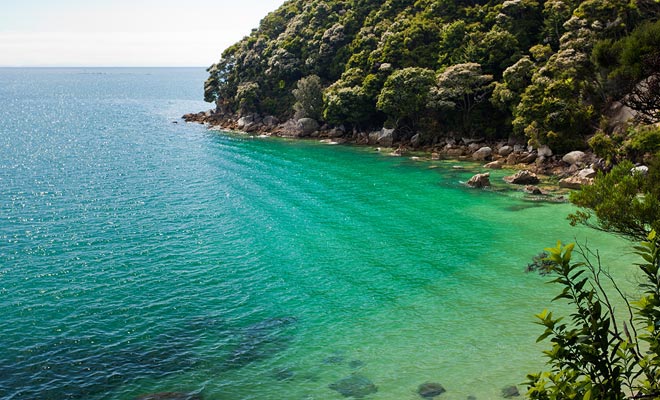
103,66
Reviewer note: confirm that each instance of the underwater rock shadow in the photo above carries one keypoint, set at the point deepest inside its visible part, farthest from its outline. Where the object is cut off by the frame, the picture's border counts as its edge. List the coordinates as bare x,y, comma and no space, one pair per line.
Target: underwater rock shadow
260,341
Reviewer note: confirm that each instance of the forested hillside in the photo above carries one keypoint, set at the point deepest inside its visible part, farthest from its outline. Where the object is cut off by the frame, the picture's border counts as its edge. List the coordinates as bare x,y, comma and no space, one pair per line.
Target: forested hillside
546,71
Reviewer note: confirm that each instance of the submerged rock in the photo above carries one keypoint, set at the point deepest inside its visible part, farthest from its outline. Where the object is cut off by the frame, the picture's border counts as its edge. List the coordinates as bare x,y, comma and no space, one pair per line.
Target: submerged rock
260,341
170,396
430,390
283,374
531,189
356,364
479,180
523,178
334,360
510,391
356,385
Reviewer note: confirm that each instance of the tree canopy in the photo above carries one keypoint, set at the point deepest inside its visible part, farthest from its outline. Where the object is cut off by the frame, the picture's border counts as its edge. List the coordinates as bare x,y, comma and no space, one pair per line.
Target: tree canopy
551,74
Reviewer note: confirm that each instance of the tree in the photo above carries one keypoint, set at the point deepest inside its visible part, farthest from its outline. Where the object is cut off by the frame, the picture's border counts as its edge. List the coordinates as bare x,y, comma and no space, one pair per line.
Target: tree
632,64
309,98
461,88
556,108
247,97
624,202
405,95
506,94
345,105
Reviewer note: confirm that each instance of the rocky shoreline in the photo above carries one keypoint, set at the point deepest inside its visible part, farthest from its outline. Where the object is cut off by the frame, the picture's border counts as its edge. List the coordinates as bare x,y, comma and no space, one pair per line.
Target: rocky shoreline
533,165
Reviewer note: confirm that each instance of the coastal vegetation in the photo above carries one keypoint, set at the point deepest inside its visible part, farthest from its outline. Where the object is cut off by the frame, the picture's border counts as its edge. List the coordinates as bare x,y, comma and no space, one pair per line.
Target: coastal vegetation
548,73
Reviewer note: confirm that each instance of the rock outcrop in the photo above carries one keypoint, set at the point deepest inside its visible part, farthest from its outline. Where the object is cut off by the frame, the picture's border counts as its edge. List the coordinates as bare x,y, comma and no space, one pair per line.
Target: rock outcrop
574,157
523,177
479,180
575,182
494,165
482,154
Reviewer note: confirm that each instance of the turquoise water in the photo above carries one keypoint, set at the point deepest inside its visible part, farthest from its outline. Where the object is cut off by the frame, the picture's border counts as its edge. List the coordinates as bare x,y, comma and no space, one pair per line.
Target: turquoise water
139,256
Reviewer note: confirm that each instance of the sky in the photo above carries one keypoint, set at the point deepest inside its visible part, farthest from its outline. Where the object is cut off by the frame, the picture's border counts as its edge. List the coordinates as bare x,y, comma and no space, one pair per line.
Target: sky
43,33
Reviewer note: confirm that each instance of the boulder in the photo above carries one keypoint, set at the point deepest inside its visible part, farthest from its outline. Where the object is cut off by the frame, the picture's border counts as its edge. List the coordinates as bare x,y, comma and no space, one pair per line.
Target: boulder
270,121
308,126
430,390
505,151
523,178
354,385
587,173
335,133
510,391
512,159
479,180
244,121
455,152
527,158
288,129
373,137
482,154
544,151
472,147
469,141
386,137
574,157
642,169
494,165
416,140
575,182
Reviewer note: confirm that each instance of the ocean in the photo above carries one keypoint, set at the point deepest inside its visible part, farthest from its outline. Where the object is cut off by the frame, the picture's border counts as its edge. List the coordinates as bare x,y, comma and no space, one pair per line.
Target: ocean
140,254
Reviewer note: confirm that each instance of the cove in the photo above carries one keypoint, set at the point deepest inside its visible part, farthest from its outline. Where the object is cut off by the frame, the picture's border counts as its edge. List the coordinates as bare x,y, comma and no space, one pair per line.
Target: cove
140,256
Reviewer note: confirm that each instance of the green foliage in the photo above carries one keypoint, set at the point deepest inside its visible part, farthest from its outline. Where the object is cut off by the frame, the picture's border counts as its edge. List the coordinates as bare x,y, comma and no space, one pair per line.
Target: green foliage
555,108
632,67
624,202
547,84
643,140
247,97
603,146
346,105
405,94
309,98
593,354
461,88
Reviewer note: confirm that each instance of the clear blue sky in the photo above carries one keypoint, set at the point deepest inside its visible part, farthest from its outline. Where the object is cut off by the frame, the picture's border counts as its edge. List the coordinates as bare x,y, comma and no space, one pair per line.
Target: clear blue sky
124,32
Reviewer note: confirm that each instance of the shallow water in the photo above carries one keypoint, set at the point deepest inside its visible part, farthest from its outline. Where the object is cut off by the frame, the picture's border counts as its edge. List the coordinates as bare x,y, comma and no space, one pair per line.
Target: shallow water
138,255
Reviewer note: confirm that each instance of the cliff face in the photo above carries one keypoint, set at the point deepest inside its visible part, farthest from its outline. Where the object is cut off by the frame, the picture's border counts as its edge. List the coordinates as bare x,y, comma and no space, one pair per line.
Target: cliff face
535,69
